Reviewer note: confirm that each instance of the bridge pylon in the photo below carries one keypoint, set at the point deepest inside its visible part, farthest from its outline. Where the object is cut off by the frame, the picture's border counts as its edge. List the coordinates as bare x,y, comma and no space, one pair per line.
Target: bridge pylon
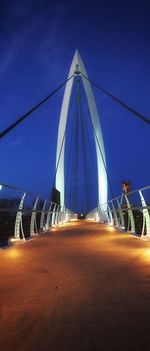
78,68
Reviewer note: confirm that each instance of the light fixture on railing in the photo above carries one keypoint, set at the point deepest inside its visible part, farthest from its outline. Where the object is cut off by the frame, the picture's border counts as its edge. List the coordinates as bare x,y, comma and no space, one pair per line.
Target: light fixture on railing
12,240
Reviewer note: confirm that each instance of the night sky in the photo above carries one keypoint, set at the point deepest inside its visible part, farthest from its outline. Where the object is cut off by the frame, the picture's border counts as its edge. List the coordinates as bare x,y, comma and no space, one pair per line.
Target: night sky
37,43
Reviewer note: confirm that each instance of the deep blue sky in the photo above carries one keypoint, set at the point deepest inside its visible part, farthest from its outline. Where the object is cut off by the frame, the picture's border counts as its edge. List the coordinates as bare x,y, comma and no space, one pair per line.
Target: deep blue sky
37,43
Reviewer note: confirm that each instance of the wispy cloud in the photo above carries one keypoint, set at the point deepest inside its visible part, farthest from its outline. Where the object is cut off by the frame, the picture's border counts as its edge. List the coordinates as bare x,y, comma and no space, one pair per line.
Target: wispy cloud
12,27
7,59
27,27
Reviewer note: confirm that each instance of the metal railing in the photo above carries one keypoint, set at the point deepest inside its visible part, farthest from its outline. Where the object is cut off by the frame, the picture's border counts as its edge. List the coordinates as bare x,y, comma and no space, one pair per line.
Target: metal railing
24,215
128,212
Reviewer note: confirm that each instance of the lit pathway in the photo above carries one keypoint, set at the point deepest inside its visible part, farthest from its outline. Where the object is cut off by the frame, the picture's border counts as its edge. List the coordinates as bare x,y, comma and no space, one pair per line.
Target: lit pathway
81,287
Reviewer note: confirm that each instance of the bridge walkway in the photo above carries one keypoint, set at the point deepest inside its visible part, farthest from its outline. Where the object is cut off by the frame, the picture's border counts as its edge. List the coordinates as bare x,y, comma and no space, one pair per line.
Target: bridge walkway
83,286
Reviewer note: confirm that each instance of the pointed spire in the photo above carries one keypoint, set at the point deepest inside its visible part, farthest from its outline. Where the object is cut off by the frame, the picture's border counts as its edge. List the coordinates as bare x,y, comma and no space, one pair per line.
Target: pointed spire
77,59
77,55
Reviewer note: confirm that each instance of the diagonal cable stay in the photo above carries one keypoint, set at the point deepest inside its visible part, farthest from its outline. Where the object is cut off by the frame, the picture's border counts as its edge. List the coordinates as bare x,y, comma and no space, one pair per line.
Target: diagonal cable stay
27,114
130,109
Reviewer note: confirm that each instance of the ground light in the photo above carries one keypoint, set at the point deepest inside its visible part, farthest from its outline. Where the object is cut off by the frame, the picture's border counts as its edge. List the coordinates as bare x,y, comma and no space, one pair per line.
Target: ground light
53,229
146,255
13,253
111,228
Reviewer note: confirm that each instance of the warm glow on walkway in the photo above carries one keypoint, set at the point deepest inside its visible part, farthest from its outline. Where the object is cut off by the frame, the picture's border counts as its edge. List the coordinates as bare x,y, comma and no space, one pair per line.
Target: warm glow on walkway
81,287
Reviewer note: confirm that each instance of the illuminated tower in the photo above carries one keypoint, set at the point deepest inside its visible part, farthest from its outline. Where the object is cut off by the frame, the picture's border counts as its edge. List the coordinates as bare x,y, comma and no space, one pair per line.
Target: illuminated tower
77,67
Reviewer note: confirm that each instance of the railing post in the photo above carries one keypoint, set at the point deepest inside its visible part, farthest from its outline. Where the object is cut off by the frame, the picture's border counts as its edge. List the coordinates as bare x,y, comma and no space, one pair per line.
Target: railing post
53,215
67,215
57,214
64,215
111,221
121,215
42,220
48,217
116,224
99,211
130,216
18,223
60,215
33,224
103,212
146,217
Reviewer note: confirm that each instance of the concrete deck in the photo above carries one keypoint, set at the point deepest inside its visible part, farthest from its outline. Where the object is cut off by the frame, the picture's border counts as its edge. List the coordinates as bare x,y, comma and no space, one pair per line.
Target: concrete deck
82,287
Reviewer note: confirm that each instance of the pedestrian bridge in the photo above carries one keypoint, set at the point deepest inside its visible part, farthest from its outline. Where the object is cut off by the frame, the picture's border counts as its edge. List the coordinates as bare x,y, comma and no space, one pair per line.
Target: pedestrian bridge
80,185
80,286
69,284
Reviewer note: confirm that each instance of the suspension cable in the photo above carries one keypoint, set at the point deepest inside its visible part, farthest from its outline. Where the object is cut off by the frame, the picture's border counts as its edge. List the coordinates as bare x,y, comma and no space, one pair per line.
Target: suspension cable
88,134
130,109
21,119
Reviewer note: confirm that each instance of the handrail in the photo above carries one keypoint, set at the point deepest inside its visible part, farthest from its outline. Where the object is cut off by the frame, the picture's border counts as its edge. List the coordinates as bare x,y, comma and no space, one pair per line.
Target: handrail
130,193
24,214
13,187
128,212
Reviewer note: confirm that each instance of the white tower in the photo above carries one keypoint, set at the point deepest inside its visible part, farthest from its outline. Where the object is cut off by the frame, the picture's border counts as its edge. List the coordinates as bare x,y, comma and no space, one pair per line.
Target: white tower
101,169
